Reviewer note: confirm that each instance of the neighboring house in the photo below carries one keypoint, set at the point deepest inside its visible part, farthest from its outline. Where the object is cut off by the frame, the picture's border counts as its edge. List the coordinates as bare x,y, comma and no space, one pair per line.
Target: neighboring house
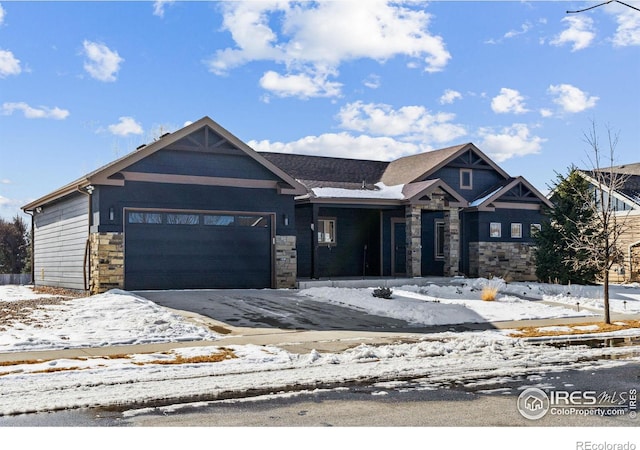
198,208
627,206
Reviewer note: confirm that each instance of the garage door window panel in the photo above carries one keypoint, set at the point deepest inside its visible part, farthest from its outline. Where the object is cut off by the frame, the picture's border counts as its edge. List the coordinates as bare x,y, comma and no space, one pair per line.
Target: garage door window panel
182,219
145,218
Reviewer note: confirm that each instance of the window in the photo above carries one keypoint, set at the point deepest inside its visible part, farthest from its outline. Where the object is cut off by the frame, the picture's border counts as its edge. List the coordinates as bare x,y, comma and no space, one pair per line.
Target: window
219,220
182,219
327,231
495,230
466,179
143,217
439,239
516,230
535,229
251,221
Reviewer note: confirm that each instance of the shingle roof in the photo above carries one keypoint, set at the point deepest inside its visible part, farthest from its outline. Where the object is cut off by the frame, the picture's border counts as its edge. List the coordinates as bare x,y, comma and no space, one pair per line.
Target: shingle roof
318,171
631,172
410,168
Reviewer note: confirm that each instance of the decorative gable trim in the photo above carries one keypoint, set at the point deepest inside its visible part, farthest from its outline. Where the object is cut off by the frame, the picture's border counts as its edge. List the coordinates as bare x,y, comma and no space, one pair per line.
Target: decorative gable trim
469,156
221,140
517,193
415,192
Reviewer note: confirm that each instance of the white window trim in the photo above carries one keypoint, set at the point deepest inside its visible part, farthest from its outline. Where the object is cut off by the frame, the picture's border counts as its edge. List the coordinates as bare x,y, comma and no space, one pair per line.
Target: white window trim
321,240
491,225
517,225
470,185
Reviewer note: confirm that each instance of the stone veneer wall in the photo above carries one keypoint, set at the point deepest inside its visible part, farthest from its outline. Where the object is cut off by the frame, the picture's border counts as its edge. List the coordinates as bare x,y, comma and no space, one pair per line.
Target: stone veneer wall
107,262
286,262
451,243
510,260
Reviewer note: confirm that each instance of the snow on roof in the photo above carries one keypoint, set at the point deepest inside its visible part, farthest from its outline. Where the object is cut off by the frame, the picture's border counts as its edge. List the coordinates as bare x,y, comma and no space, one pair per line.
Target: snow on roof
481,200
381,191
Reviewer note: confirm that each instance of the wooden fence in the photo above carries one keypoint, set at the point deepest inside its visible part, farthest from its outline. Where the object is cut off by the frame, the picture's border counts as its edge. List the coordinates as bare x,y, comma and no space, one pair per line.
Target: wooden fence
15,278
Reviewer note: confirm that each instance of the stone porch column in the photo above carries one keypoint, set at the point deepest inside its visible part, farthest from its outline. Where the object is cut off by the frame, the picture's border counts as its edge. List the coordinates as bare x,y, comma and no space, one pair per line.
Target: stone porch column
413,216
451,242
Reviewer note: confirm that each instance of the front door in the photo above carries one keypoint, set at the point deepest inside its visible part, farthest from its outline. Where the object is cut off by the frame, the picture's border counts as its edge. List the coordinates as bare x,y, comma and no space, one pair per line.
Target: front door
398,248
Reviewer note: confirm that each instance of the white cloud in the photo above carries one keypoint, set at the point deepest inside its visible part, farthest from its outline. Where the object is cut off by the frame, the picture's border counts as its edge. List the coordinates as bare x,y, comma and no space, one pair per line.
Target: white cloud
9,64
102,63
3,14
579,33
342,145
5,181
628,31
410,123
30,112
449,97
545,112
508,101
158,7
300,85
304,44
125,127
373,81
513,33
571,99
509,142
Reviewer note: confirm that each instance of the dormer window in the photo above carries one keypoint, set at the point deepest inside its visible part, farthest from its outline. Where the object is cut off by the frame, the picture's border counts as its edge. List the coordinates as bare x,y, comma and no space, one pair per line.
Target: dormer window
466,179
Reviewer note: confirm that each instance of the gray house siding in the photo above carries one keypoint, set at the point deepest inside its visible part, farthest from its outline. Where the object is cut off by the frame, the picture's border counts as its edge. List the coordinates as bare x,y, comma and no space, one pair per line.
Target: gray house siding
61,231
229,164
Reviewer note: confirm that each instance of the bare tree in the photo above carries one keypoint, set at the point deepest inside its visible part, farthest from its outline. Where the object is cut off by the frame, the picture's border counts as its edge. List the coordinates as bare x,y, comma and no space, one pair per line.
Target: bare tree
599,240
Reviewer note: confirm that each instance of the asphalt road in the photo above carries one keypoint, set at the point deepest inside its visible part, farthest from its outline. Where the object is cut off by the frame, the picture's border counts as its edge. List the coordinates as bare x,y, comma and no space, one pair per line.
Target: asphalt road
267,308
401,404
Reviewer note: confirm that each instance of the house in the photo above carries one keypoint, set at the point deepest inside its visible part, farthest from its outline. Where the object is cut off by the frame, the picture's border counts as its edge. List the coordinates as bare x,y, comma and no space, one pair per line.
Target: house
442,212
626,203
195,209
198,208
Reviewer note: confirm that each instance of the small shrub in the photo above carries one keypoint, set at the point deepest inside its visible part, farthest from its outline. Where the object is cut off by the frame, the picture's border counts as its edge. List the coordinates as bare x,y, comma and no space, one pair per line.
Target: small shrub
489,293
382,292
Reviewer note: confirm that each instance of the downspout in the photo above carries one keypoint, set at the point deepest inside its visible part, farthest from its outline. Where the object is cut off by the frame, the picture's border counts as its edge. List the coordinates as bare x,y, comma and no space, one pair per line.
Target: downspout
86,277
33,273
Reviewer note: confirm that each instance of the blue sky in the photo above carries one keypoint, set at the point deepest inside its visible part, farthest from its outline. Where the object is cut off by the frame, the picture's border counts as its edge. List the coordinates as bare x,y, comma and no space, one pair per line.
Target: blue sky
82,83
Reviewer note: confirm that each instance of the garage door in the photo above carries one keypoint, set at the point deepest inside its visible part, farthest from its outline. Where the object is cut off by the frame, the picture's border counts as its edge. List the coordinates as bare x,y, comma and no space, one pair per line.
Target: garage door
195,250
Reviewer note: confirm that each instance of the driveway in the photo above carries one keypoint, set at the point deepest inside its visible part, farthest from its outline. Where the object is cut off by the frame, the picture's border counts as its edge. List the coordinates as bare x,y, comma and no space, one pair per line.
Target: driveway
264,308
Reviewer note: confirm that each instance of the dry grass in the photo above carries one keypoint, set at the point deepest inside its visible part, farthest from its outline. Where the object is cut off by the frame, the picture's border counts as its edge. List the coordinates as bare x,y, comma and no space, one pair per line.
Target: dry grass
526,332
58,292
222,355
489,293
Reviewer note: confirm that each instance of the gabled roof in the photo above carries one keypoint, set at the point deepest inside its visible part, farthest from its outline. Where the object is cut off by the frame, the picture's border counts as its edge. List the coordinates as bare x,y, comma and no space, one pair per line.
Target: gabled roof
421,166
322,171
490,199
108,174
630,190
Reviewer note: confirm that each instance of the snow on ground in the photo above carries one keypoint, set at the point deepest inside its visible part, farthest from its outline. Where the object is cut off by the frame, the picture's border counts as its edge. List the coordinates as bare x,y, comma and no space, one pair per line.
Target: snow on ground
118,317
113,318
443,305
438,360
13,293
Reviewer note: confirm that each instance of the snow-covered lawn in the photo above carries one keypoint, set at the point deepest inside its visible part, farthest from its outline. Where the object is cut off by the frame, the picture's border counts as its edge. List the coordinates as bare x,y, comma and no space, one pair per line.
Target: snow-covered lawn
118,317
444,305
113,318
